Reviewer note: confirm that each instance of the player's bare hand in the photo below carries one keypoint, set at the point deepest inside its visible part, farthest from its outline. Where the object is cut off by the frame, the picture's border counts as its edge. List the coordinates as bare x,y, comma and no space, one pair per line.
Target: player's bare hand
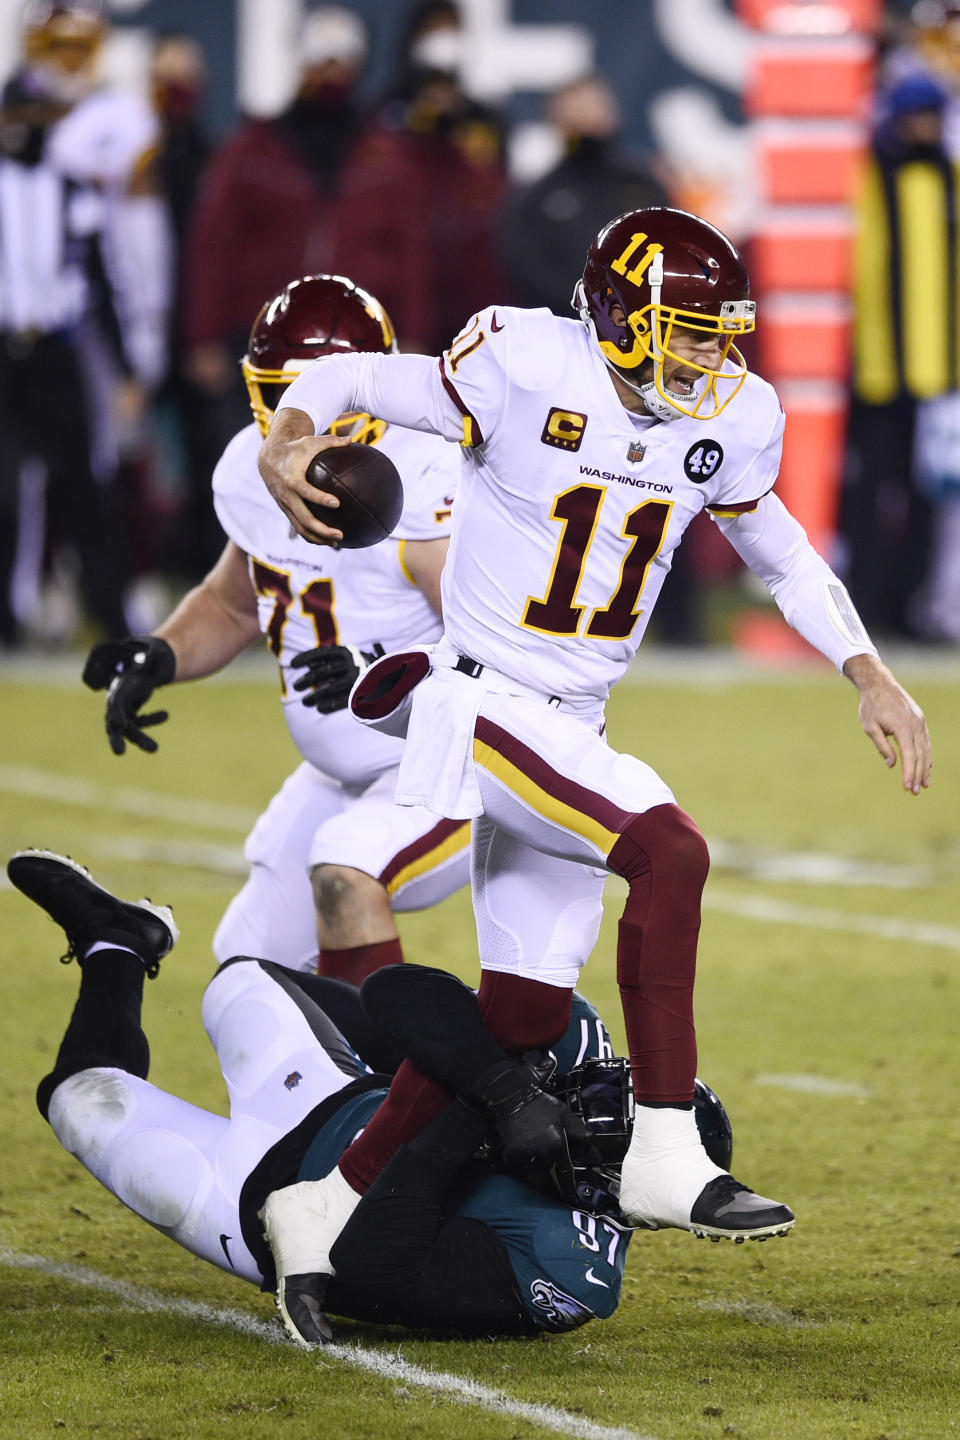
284,458
893,720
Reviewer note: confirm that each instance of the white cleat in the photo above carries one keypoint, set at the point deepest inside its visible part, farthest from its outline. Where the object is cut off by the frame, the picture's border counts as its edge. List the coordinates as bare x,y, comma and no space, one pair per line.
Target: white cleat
301,1223
669,1181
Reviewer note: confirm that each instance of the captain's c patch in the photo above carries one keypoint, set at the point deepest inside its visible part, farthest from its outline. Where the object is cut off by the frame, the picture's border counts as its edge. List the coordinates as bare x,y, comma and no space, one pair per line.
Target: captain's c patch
564,429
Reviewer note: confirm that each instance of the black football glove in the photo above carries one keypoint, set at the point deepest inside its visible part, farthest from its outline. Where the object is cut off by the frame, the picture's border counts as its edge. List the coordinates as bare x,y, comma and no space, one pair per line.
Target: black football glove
331,671
130,670
534,1129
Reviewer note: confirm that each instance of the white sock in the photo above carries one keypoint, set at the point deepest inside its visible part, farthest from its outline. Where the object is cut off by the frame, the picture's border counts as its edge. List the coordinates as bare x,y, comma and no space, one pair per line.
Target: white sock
302,1221
665,1168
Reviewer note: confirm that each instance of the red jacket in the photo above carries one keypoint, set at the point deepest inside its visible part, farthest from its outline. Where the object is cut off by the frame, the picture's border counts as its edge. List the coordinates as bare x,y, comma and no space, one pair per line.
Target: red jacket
418,228
261,219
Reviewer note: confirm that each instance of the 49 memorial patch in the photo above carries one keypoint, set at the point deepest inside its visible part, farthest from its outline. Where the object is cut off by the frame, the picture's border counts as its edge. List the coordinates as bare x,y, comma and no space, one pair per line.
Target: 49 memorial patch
702,460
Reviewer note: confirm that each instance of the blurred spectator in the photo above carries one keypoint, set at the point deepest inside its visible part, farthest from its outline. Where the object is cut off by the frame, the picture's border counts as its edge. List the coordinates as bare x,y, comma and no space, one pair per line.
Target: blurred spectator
267,210
549,225
907,318
927,43
936,608
178,83
422,195
83,288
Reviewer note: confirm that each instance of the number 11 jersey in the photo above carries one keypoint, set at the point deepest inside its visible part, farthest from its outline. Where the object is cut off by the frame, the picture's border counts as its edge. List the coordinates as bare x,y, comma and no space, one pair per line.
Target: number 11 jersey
570,506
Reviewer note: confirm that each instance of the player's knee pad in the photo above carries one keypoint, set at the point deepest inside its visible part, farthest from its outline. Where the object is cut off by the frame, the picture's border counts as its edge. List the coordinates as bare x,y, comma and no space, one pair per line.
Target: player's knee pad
234,979
665,843
88,1111
664,859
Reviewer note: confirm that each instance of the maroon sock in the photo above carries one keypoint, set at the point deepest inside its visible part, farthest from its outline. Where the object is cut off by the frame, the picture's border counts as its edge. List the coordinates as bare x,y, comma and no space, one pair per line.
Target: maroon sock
664,859
523,1014
411,1104
355,964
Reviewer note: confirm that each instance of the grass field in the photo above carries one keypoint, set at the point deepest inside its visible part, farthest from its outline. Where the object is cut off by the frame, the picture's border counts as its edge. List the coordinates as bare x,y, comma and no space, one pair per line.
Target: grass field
828,1008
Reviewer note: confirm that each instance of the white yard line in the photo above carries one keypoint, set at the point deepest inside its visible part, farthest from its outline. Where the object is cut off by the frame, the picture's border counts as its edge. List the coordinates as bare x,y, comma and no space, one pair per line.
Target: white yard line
821,917
814,867
799,867
815,1085
237,820
388,1365
126,800
191,855
759,1313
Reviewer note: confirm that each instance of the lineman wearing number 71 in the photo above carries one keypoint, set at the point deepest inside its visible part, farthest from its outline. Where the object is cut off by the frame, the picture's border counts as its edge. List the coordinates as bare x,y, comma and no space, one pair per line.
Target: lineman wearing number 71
590,445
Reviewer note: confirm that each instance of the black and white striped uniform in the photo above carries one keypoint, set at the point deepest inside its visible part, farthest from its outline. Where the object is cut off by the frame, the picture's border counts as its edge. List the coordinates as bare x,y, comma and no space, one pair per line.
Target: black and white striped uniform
60,181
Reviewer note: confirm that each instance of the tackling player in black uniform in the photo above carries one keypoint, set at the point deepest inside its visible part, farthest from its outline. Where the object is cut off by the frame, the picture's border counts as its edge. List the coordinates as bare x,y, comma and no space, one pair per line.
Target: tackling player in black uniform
443,1239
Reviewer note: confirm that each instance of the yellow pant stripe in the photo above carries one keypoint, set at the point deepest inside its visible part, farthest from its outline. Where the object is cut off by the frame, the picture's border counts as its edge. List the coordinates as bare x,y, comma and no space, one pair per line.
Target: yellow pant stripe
454,843
545,804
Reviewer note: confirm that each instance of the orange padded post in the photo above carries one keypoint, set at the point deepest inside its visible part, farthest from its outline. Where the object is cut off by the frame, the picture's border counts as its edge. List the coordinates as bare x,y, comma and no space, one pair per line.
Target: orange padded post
807,164
803,248
813,443
835,17
810,79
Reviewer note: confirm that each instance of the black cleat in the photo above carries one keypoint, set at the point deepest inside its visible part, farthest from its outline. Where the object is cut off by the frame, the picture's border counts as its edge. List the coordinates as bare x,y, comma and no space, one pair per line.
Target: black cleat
727,1210
88,913
300,1302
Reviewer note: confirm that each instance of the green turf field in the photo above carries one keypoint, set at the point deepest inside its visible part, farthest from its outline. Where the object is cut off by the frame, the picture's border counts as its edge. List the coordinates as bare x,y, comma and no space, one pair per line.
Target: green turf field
828,1012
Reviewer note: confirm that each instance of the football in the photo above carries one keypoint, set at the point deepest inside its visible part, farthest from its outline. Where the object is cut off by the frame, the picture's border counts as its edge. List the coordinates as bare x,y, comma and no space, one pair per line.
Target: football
368,486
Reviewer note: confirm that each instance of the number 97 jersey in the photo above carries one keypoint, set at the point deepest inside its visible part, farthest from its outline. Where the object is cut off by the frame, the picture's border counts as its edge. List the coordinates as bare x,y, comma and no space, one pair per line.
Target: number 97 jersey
568,515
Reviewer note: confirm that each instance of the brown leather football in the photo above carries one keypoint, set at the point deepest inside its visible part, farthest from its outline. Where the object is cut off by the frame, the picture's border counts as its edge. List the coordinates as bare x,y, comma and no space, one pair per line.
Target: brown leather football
368,486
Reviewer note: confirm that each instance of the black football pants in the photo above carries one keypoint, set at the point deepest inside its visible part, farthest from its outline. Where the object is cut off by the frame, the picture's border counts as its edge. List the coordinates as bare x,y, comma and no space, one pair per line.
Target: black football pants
43,414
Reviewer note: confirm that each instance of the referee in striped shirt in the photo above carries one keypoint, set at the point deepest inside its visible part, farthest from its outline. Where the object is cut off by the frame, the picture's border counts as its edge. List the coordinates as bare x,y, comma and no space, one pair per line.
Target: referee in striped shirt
52,279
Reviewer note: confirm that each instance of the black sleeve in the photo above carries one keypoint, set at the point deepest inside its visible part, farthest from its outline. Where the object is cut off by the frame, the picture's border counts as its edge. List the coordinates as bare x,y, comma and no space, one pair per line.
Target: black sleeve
401,1260
435,1019
342,1003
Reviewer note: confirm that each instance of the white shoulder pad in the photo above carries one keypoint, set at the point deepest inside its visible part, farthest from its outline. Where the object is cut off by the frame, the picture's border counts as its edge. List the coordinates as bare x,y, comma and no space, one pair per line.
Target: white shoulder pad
430,470
103,137
242,502
501,347
749,436
756,412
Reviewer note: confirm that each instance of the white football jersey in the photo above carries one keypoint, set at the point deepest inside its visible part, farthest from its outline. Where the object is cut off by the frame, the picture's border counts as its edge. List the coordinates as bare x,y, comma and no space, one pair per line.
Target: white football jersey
311,594
103,137
570,506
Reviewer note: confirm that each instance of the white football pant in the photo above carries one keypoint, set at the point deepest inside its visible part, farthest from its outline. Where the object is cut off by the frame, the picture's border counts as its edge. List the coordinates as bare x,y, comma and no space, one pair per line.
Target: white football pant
181,1168
313,820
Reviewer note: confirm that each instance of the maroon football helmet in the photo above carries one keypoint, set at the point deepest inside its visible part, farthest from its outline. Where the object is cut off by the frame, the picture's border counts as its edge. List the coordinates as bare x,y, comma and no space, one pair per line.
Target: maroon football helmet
316,315
667,270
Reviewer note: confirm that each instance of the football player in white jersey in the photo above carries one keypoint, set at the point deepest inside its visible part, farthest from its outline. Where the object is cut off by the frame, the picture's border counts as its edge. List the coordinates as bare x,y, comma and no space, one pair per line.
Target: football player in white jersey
590,444
321,612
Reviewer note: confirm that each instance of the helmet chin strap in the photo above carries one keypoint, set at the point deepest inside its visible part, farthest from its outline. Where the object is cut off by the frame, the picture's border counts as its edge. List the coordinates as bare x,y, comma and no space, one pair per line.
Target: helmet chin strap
651,396
656,405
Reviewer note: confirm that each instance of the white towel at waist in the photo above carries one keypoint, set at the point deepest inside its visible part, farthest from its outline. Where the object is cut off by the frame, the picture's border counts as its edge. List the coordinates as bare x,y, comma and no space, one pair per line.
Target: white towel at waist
437,766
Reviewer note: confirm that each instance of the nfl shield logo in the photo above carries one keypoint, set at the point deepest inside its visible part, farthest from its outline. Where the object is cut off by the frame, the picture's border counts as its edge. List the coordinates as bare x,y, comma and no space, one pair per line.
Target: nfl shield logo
636,452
